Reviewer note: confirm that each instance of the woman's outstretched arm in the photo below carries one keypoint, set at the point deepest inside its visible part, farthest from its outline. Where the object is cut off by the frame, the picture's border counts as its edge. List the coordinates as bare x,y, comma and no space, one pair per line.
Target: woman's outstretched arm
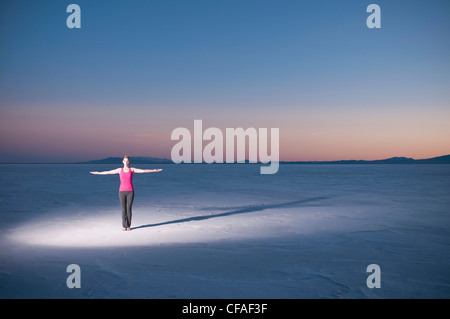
114,171
138,170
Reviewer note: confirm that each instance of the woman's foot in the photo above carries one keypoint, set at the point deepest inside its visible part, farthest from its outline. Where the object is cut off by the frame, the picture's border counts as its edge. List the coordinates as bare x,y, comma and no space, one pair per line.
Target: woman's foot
128,229
124,229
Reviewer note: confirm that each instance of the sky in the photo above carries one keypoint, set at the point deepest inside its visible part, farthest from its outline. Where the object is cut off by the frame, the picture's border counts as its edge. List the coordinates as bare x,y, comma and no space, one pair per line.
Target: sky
137,70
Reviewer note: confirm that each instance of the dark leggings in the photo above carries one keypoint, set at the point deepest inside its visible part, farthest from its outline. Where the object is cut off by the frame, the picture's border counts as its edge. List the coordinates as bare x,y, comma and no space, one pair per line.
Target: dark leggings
126,200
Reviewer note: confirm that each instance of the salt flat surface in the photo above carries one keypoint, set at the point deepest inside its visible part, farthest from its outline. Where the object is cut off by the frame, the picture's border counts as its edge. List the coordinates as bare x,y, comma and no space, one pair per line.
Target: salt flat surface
225,231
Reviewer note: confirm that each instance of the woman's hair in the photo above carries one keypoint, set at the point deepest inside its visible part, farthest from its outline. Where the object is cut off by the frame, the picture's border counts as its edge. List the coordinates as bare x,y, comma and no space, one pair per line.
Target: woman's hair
126,156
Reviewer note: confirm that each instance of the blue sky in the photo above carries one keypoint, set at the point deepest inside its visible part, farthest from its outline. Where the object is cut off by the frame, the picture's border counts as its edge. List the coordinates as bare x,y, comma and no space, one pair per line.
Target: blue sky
311,68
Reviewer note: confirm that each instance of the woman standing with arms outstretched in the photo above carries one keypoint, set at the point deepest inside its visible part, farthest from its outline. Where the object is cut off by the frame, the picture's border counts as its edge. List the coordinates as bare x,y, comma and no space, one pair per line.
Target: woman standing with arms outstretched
126,190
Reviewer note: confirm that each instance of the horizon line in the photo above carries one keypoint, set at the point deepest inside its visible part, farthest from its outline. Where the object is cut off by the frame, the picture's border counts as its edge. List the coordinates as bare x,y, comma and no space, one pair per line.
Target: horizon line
246,160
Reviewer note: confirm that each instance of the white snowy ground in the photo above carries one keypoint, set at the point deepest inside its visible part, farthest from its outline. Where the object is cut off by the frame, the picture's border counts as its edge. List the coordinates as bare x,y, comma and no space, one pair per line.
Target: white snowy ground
309,232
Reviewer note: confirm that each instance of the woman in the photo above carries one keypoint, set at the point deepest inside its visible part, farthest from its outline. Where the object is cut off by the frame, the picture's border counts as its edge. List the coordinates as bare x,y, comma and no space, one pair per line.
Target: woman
126,190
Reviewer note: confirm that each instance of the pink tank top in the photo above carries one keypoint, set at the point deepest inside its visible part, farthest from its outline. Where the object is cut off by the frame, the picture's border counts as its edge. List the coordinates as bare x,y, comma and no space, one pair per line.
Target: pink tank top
126,180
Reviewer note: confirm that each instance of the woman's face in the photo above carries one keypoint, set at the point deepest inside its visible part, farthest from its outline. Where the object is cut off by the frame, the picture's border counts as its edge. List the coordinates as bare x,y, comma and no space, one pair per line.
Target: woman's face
126,161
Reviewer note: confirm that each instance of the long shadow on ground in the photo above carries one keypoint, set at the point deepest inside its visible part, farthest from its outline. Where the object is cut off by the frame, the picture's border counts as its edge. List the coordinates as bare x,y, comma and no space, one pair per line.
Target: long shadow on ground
243,210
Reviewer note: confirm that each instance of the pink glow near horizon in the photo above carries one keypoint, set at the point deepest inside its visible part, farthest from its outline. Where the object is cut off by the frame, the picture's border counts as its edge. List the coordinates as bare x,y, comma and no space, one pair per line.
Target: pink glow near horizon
82,136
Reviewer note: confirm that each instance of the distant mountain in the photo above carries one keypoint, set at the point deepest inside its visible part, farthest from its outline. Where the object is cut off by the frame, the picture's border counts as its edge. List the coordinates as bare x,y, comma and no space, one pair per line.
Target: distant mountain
435,160
393,160
134,160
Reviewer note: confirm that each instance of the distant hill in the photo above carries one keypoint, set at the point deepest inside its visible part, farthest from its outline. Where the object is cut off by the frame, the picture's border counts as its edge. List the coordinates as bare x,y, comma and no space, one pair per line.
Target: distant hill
134,160
435,160
393,160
